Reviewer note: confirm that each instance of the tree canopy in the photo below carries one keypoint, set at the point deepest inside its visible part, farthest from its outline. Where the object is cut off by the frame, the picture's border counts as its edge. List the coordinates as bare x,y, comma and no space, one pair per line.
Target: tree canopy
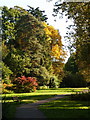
29,45
79,12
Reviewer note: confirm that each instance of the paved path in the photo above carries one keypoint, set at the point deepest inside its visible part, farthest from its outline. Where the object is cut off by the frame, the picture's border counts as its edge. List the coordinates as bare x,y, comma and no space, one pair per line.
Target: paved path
30,111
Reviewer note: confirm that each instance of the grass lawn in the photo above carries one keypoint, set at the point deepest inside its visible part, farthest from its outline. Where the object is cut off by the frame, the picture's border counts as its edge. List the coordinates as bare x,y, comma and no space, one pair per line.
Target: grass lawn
9,106
40,94
65,108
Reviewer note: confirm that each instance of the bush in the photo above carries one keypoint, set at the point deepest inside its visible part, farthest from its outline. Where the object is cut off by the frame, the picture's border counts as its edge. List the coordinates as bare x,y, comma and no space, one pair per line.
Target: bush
6,91
7,88
54,82
44,87
6,72
25,84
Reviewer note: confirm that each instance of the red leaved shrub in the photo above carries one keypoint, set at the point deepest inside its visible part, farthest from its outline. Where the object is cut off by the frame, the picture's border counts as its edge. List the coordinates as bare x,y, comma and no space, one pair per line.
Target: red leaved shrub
25,84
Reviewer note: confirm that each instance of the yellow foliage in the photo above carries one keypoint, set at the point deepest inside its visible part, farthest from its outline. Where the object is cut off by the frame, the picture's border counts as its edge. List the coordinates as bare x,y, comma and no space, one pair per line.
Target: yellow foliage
54,38
56,51
51,31
7,85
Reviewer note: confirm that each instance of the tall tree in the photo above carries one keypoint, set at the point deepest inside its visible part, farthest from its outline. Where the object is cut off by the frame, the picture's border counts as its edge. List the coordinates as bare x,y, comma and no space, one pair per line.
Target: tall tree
25,46
79,12
54,39
57,52
9,18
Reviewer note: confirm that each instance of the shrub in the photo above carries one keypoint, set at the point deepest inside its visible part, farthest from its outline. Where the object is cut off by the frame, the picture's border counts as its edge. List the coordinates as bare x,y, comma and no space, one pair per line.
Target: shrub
6,72
54,82
7,88
6,91
25,84
44,87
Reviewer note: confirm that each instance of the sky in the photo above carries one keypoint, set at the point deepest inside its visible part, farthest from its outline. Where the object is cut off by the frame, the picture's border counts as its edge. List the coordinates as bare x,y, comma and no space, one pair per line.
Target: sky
60,24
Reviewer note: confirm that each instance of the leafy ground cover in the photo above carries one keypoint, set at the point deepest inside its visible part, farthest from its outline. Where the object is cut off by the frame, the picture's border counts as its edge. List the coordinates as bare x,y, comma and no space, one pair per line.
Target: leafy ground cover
9,106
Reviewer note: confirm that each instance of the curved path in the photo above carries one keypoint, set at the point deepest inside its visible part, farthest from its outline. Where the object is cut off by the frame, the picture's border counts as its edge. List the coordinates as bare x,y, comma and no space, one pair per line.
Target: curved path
30,111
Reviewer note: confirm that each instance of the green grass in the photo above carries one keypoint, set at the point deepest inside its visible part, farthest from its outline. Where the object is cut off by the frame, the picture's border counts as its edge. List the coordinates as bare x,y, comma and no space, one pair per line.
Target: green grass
9,107
47,92
41,94
66,108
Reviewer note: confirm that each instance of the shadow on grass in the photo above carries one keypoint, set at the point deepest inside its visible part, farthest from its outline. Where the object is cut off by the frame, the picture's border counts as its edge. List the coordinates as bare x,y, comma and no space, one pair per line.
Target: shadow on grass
28,99
66,109
8,110
9,106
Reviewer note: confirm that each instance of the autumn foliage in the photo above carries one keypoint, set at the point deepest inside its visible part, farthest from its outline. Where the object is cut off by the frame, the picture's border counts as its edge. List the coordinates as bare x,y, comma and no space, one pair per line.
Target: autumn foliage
54,39
25,84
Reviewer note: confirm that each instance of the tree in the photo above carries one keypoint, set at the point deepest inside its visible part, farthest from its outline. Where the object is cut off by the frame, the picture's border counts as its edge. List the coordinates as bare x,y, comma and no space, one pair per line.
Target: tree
71,64
79,12
32,39
54,39
28,53
72,77
37,13
73,80
27,48
9,18
56,50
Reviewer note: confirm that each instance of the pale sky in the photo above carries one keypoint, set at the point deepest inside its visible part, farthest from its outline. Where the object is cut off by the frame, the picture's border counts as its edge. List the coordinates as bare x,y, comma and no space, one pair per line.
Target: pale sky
60,24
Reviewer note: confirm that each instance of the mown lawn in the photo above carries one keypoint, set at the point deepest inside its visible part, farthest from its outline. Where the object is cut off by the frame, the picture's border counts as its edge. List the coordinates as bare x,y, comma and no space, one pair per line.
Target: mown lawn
43,93
65,108
9,106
